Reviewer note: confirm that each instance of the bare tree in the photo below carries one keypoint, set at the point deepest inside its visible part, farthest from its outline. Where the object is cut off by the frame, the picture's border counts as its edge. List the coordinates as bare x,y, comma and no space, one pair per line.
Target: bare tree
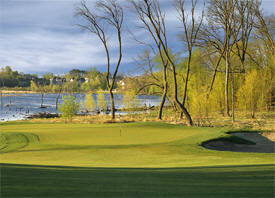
1,99
263,29
219,34
245,16
108,13
59,94
153,20
191,29
159,19
236,19
146,63
42,89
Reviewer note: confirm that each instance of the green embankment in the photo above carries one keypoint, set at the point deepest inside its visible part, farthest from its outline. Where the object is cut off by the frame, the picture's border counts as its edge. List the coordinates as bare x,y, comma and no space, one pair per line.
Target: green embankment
126,160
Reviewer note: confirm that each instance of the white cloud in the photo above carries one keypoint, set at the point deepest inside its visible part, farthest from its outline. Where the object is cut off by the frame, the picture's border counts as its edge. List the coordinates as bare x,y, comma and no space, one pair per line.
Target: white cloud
39,36
46,51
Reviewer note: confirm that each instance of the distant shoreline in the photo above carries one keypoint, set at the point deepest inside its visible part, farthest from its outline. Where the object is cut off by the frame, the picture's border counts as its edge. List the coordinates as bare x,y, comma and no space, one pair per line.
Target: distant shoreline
17,92
36,92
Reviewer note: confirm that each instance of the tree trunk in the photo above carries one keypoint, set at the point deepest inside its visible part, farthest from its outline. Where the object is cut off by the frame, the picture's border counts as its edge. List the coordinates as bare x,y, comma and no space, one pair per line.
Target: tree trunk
164,93
186,79
243,65
181,115
162,104
187,115
42,100
112,103
226,95
1,99
183,109
57,98
232,99
186,83
253,114
56,102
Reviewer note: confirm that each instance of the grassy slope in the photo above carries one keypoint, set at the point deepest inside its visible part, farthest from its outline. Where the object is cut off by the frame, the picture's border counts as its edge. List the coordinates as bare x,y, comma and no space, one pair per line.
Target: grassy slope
199,173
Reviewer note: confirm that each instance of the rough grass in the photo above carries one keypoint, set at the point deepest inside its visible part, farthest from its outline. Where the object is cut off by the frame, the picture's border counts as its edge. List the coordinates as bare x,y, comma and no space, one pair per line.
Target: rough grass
263,120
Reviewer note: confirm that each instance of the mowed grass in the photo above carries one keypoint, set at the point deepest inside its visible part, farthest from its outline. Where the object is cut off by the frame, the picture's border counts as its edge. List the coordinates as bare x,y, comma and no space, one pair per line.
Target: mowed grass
255,181
139,145
126,160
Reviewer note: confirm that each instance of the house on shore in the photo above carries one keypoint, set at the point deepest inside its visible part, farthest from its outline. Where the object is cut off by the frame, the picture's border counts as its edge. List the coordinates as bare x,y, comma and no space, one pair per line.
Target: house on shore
57,80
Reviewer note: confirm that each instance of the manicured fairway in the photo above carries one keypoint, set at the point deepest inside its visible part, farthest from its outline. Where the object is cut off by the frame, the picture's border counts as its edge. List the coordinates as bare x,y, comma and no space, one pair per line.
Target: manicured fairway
126,160
228,181
141,145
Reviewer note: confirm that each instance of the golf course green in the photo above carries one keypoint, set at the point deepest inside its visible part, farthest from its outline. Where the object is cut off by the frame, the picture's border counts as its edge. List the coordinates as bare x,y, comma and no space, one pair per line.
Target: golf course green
126,160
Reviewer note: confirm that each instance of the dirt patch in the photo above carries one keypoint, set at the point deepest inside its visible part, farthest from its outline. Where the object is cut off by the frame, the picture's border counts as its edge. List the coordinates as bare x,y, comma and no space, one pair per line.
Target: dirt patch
249,142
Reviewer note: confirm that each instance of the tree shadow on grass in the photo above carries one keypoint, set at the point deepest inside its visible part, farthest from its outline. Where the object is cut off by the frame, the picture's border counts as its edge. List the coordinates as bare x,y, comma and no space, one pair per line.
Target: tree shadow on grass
214,181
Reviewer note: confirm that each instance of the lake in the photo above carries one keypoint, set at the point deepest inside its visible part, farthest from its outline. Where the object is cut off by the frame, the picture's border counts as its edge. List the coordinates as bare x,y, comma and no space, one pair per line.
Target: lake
19,106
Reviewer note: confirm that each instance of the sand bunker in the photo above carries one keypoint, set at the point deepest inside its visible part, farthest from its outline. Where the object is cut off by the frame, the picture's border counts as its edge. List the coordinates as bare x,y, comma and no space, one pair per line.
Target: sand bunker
264,143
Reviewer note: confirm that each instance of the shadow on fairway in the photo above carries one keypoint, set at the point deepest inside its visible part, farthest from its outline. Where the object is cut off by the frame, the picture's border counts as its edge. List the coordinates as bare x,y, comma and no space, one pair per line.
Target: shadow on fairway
217,181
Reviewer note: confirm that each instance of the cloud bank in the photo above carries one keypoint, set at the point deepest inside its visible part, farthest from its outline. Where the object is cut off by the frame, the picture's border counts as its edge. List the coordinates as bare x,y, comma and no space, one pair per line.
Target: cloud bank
39,36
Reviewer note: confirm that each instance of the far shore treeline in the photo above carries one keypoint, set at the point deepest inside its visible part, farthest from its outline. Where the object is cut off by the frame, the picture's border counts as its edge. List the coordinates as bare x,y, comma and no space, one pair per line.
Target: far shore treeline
74,81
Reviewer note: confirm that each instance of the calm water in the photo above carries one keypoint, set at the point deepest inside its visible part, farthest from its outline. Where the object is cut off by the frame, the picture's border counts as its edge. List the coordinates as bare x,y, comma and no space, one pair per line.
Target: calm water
17,106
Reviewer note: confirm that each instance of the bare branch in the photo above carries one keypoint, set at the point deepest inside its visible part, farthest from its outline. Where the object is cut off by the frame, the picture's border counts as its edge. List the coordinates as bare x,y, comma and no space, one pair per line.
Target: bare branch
108,12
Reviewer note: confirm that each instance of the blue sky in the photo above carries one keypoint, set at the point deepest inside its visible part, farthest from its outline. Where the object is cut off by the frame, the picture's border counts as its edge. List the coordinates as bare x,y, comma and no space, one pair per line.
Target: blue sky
39,36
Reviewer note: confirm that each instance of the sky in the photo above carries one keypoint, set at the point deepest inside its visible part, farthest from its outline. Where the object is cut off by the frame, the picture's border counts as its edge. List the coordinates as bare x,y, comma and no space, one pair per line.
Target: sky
41,36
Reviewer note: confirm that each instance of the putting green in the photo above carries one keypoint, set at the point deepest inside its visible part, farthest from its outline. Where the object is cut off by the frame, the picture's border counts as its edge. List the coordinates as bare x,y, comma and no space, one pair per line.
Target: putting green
116,145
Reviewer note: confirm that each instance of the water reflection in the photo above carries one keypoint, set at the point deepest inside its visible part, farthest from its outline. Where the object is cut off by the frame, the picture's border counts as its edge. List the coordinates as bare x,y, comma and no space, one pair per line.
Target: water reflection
19,106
